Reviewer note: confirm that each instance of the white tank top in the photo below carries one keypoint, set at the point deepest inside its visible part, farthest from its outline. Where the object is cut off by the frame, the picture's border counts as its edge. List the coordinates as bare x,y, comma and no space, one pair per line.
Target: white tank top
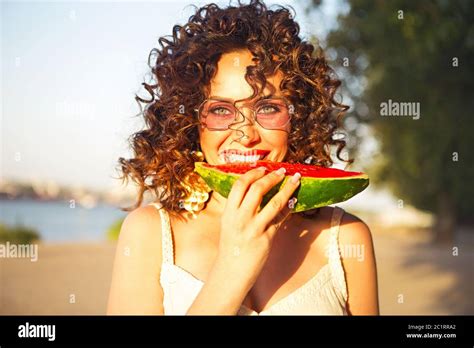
324,294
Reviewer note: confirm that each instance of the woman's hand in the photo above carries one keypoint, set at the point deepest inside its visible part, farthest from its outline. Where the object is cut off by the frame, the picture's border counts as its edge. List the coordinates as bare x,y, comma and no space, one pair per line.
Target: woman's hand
245,240
247,233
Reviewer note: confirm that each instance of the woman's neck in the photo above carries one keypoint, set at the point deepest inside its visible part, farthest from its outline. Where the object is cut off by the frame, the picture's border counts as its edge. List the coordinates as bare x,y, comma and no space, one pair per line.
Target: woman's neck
216,203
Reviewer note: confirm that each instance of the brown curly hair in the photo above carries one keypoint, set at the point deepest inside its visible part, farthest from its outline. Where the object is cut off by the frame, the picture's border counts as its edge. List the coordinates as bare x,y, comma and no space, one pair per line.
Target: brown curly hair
184,66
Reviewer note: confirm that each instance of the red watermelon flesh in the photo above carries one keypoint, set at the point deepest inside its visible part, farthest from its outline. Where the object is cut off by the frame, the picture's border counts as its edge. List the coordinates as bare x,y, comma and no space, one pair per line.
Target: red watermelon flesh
291,168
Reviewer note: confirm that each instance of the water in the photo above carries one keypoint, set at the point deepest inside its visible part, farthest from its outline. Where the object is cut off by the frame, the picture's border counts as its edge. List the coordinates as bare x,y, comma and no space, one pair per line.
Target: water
57,222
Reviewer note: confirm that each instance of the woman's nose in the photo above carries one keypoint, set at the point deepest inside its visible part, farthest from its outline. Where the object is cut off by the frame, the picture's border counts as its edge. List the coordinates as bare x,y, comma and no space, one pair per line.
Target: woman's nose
246,132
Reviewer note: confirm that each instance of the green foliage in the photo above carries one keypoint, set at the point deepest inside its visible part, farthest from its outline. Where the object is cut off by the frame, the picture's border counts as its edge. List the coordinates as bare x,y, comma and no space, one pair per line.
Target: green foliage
114,230
18,234
411,59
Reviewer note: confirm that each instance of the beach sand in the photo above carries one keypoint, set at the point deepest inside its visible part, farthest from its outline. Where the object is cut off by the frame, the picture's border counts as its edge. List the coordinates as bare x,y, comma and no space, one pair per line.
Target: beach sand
415,277
66,279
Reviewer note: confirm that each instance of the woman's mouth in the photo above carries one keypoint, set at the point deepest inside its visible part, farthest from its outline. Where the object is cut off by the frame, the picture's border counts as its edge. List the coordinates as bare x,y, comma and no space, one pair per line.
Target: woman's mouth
230,156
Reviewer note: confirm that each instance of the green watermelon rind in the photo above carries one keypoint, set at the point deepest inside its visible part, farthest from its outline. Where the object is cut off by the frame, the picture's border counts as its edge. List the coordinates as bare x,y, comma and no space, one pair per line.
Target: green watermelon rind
312,192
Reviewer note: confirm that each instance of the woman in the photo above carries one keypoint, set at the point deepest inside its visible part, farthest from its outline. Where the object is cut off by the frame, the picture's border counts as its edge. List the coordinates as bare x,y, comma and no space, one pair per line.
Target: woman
233,82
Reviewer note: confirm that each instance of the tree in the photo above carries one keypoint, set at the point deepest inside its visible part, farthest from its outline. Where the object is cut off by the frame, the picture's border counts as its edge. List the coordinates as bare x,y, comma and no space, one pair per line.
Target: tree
420,52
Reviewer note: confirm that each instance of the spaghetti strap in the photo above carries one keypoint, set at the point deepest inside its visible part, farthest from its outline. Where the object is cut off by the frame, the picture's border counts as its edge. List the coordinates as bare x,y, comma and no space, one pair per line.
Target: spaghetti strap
166,234
335,262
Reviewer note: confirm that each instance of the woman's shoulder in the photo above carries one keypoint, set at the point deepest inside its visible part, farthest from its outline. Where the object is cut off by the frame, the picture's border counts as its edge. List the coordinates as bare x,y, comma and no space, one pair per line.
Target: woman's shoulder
145,216
359,264
352,229
142,228
134,289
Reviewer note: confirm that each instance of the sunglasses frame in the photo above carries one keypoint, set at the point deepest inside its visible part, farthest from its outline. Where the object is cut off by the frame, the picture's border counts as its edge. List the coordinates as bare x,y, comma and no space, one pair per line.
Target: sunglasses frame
254,113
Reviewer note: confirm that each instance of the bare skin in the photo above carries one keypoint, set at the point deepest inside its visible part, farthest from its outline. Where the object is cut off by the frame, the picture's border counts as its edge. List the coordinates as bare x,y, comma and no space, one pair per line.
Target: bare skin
283,271
278,251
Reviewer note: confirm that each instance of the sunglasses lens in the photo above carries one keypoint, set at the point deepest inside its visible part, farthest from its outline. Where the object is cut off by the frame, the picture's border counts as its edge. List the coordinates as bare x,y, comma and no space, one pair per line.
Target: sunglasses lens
272,114
217,114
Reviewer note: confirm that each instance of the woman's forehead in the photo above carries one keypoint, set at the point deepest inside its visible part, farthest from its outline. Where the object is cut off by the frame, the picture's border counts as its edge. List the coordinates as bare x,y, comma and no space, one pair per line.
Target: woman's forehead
229,81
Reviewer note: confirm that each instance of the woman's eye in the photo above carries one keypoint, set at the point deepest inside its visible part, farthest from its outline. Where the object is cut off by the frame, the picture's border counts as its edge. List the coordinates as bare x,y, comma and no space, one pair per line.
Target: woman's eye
220,111
267,109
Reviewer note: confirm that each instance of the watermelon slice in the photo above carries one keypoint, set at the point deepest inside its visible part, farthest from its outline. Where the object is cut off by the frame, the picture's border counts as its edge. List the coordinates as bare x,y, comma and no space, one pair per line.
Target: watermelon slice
318,187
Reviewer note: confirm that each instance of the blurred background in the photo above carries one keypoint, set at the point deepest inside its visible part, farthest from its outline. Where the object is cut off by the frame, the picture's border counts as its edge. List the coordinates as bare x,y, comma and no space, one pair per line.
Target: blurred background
69,74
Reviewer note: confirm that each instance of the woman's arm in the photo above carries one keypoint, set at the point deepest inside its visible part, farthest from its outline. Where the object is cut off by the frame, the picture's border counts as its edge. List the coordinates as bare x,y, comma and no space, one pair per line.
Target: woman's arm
135,287
359,266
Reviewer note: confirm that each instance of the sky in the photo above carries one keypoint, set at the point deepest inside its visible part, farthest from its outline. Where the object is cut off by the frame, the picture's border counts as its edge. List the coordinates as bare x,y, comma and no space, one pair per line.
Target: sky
69,74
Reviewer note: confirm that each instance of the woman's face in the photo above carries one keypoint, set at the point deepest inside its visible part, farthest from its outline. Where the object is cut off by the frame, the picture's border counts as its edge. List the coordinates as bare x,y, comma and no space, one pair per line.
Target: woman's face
247,136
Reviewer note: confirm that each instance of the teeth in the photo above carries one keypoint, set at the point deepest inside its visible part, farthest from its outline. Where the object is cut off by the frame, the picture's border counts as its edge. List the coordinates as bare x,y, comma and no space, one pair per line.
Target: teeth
234,158
222,158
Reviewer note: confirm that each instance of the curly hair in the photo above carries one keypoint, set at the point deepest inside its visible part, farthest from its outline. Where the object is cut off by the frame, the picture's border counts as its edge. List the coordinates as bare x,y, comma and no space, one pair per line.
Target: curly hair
184,65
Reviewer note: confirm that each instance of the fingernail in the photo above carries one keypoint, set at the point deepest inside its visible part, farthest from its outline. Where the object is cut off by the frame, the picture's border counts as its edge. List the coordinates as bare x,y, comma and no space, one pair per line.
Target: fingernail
295,178
281,171
292,202
262,168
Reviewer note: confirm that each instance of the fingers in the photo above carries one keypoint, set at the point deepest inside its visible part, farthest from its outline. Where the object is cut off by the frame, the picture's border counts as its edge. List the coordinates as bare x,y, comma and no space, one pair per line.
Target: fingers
241,186
277,209
258,189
